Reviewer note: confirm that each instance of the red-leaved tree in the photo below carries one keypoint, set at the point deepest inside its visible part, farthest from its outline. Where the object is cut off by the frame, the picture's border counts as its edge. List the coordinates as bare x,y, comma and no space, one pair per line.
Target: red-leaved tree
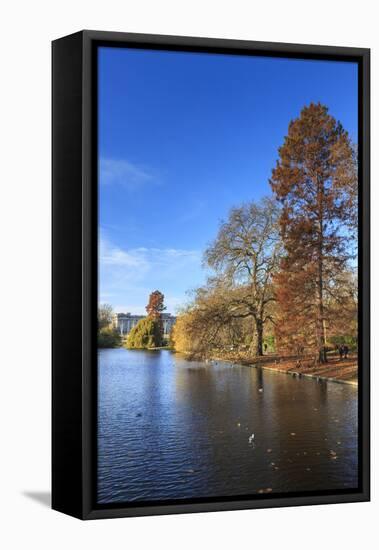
156,306
315,179
154,309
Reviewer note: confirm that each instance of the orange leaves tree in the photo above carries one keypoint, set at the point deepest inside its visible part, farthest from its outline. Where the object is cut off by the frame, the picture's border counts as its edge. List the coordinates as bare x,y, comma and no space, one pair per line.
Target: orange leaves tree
315,180
155,308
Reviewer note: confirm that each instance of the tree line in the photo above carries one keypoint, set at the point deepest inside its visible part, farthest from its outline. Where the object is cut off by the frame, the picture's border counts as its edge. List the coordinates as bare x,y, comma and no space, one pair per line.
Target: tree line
284,268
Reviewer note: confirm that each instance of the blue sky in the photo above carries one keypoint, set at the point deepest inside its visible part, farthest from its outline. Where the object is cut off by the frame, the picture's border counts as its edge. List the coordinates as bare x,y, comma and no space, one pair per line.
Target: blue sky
183,137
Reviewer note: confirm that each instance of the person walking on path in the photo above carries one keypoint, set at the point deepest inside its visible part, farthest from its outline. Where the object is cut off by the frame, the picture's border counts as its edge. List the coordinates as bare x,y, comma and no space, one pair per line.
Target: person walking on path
341,351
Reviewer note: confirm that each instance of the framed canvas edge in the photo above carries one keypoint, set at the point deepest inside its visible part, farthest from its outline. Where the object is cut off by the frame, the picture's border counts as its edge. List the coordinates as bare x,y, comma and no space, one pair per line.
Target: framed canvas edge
90,39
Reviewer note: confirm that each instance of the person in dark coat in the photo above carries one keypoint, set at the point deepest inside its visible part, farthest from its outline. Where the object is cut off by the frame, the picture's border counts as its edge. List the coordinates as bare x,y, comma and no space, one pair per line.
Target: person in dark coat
345,351
340,351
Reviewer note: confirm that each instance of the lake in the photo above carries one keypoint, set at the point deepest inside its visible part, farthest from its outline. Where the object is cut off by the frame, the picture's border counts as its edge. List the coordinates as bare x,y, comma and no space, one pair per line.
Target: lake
169,428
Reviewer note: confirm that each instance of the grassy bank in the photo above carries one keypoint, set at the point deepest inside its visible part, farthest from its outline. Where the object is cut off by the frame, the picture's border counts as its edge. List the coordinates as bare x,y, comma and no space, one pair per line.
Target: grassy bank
345,370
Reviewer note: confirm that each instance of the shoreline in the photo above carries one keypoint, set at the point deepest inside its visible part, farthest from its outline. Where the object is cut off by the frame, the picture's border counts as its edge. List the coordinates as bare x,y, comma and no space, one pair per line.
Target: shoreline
341,372
308,375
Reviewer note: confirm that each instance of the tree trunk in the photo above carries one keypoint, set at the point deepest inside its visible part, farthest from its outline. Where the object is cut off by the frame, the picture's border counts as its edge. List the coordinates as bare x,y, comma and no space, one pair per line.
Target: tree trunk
259,343
321,342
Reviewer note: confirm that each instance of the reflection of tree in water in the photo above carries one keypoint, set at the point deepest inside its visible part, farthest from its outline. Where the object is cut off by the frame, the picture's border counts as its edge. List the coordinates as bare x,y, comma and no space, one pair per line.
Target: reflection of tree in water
291,418
323,391
260,382
177,429
223,407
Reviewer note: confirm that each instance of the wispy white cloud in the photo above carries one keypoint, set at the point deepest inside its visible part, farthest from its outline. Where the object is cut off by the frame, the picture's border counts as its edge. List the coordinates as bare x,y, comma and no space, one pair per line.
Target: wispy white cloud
143,258
128,275
111,255
125,173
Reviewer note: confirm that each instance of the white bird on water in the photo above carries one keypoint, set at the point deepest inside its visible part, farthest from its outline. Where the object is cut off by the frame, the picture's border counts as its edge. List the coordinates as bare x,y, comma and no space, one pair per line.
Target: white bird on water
251,438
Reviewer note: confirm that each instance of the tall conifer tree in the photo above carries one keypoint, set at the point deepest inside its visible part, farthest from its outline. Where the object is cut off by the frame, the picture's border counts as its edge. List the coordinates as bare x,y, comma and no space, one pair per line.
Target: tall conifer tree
315,180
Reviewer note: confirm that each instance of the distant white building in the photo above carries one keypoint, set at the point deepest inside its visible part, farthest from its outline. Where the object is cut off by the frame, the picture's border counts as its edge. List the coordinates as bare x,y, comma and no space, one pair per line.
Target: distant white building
124,322
168,321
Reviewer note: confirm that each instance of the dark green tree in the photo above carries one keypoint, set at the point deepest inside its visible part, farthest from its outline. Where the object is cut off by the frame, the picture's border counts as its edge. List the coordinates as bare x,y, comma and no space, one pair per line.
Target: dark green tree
108,337
145,334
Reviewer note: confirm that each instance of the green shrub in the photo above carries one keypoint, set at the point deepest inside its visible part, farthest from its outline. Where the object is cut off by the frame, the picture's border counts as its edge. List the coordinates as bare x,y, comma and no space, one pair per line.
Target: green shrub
146,334
269,341
108,337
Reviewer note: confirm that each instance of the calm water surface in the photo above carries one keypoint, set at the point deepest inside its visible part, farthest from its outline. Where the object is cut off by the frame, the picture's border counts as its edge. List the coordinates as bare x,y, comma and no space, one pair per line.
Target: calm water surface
171,429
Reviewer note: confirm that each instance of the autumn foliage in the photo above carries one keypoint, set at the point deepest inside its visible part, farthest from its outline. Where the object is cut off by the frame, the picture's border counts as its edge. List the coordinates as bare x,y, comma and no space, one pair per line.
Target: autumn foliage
315,181
287,270
156,306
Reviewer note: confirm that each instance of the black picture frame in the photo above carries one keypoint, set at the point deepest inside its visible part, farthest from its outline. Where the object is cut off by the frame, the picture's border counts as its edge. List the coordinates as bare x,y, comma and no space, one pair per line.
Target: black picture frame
74,270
